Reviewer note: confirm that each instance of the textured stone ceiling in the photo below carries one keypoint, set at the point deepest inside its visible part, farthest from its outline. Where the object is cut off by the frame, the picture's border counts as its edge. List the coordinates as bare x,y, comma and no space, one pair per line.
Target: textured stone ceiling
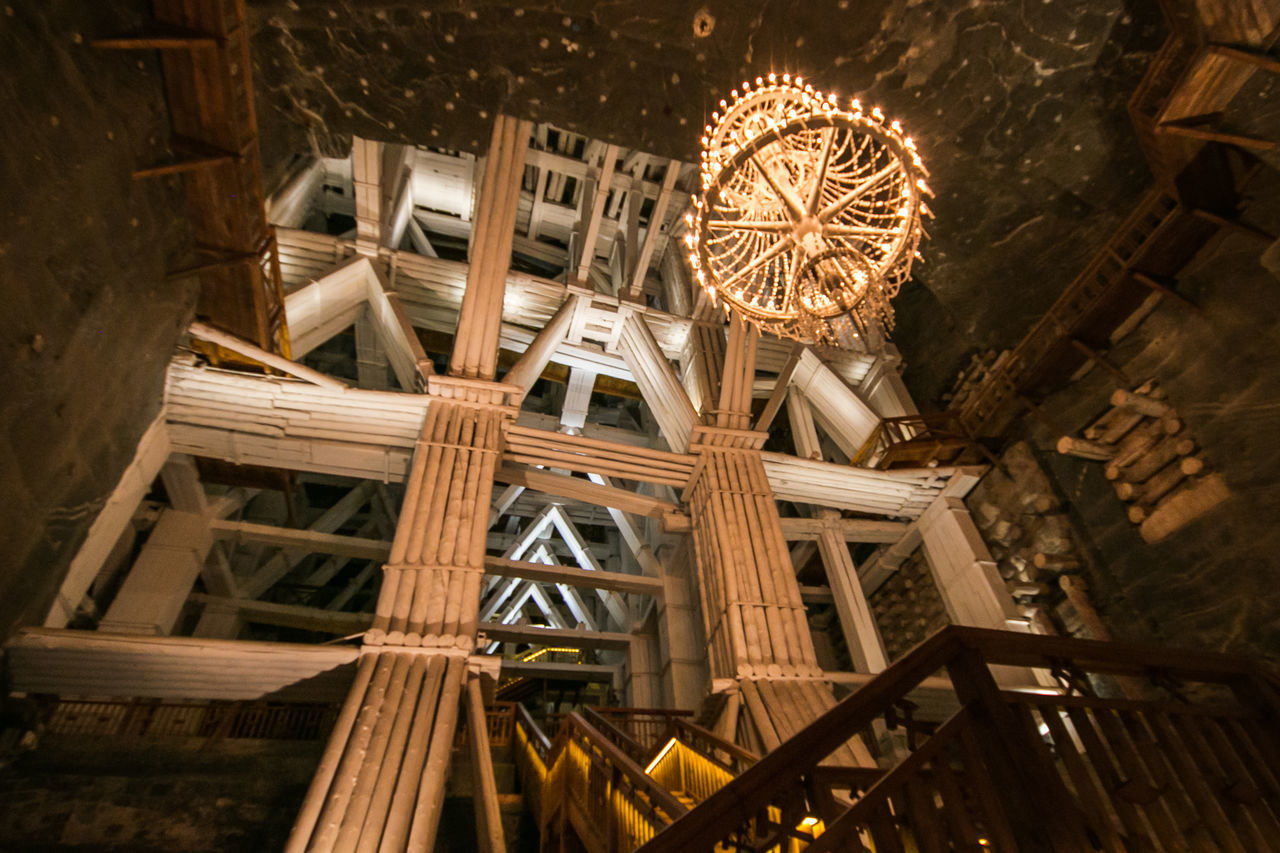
1017,105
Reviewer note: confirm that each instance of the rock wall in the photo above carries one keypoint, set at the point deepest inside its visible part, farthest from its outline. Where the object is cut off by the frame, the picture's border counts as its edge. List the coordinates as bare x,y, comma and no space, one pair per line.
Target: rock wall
77,793
88,320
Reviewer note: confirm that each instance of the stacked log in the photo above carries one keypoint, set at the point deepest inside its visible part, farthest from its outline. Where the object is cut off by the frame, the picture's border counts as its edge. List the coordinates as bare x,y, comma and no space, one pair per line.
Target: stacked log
1150,458
908,607
1028,533
971,378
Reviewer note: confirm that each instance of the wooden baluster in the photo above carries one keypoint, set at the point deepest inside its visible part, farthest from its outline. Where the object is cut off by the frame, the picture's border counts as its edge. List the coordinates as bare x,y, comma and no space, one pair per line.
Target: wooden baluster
1248,788
885,831
1029,787
1185,816
955,808
925,825
995,823
1194,779
1138,786
1086,787
1099,759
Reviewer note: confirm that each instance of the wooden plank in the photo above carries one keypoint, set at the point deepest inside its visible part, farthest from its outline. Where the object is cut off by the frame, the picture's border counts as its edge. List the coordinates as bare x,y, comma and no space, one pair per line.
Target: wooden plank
309,541
290,615
583,490
539,636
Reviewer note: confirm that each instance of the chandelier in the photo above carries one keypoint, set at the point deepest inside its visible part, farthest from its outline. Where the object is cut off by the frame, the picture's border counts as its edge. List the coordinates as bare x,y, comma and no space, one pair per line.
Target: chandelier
809,217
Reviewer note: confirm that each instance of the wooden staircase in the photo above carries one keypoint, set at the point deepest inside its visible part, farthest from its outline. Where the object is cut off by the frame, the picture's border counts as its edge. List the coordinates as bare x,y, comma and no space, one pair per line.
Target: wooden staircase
1138,749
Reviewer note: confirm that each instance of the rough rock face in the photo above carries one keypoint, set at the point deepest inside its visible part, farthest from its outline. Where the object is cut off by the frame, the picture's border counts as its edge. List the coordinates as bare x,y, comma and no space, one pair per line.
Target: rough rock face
88,319
1211,584
1018,107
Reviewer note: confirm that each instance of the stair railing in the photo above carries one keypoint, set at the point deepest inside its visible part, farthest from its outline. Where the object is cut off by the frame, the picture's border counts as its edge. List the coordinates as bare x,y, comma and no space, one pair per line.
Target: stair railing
585,780
1018,770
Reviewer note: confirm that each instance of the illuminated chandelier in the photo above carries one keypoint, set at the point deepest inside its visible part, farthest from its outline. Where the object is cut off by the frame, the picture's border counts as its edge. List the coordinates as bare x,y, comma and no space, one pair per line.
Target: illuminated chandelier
809,217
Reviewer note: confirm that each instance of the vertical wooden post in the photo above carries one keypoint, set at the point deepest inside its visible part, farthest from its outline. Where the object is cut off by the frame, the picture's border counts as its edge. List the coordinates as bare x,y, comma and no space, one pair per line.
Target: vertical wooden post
1041,812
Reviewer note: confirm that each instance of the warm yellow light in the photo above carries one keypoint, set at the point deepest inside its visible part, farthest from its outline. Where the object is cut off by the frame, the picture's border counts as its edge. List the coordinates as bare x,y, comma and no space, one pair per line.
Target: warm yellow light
661,755
819,260
537,654
809,822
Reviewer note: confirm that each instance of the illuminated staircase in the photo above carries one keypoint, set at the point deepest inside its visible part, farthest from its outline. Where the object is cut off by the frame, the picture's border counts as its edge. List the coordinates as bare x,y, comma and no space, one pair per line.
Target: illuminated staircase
1140,749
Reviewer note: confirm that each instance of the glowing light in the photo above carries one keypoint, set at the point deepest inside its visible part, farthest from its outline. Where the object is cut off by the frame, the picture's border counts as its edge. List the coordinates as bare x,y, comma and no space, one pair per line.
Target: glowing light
661,755
807,228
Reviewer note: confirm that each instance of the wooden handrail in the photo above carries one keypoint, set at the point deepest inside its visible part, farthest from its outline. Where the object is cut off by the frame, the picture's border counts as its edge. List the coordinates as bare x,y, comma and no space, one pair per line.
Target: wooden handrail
542,744
658,795
967,654
639,712
740,800
716,742
624,741
1111,658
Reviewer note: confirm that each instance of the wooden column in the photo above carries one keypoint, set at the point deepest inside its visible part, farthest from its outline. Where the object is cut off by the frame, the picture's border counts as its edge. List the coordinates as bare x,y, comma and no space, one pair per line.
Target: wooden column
756,628
152,596
858,625
111,522
381,784
475,348
965,573
963,569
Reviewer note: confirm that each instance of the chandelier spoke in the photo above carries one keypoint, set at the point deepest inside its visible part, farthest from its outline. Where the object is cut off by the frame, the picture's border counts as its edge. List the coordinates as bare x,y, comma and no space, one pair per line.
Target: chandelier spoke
842,203
815,194
785,193
760,260
773,227
857,231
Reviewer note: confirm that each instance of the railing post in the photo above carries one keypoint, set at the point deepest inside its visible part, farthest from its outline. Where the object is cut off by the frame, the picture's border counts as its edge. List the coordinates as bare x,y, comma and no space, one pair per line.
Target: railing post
1042,814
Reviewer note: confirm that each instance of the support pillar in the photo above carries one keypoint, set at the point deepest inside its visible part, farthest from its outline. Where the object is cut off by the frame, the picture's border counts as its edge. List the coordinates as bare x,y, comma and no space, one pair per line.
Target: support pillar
861,635
381,783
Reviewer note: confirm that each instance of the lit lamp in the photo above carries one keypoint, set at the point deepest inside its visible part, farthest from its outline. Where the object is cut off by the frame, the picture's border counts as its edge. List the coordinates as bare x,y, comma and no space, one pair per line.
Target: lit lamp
809,216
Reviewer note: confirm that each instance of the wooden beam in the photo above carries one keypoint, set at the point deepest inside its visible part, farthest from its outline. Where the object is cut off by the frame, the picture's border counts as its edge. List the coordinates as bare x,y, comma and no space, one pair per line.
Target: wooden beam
526,371
593,210
289,615
1250,56
556,636
572,576
284,562
111,522
779,394
1164,288
475,350
1234,224
1100,360
191,164
659,385
205,332
656,221
565,486
310,541
546,669
1194,127
852,529
159,36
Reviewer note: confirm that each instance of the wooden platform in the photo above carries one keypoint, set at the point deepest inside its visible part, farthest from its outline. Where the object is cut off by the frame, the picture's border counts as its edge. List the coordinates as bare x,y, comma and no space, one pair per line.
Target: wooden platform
1184,100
